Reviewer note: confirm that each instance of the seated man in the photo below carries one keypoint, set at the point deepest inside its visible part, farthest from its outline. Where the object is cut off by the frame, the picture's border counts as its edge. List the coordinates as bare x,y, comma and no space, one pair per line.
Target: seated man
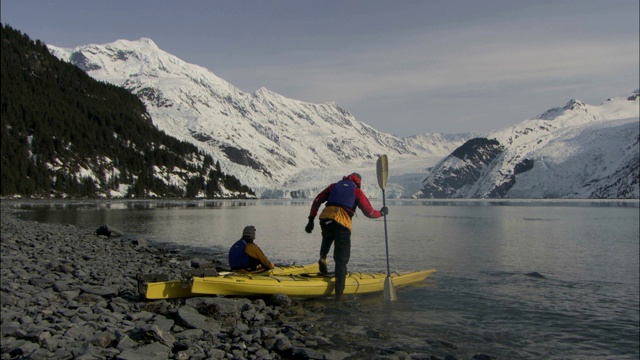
246,256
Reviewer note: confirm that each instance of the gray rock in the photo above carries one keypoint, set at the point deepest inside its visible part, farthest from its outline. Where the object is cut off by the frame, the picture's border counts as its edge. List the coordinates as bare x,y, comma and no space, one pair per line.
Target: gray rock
62,353
69,294
67,313
249,314
81,333
119,305
8,299
182,355
259,304
339,355
163,323
322,341
261,353
280,300
125,343
189,335
50,343
9,343
152,351
24,349
41,354
305,353
216,354
86,351
41,282
102,339
194,320
61,285
141,316
10,329
156,334
226,311
139,242
282,345
104,291
108,353
242,327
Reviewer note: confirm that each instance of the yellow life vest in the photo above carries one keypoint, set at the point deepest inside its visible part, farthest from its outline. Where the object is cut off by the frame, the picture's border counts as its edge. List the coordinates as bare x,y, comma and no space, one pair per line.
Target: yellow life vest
337,214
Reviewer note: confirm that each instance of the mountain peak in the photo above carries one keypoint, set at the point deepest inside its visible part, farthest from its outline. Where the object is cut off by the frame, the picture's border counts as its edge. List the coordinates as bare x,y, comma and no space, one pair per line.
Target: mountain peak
264,92
143,42
553,113
574,104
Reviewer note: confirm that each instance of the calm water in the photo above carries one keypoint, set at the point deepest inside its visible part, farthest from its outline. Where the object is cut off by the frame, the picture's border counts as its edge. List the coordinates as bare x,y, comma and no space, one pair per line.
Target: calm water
480,300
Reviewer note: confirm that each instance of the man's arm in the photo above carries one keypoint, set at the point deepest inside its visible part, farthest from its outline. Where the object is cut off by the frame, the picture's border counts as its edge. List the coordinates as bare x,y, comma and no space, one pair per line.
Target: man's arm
321,198
255,252
365,206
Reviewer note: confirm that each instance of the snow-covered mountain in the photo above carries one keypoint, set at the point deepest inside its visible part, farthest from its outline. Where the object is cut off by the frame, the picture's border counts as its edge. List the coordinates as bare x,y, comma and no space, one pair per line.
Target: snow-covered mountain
577,151
278,146
282,147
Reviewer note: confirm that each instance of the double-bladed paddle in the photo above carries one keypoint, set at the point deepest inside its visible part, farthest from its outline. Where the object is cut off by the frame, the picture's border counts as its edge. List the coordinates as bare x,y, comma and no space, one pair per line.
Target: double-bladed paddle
382,170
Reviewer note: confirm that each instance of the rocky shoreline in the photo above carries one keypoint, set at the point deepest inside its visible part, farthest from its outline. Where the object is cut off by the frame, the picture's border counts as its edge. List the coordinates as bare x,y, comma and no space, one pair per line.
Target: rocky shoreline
69,294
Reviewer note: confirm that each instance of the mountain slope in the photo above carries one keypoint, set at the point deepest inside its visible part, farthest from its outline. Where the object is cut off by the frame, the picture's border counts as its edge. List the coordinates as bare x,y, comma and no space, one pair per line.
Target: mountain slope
64,134
263,138
577,151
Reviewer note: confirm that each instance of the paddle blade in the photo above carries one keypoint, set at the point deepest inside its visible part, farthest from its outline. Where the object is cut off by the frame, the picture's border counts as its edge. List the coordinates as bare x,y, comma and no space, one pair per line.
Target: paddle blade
382,169
389,290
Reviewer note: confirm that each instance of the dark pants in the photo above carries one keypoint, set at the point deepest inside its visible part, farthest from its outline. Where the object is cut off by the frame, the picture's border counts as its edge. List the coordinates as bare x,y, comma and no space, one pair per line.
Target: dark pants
332,232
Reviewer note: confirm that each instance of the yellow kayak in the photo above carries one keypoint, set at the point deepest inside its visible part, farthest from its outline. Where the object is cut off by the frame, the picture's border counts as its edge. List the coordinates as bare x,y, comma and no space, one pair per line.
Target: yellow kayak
300,285
174,289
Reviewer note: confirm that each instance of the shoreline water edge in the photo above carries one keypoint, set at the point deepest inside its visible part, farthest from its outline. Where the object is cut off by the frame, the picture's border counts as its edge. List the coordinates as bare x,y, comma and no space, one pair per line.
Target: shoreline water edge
70,294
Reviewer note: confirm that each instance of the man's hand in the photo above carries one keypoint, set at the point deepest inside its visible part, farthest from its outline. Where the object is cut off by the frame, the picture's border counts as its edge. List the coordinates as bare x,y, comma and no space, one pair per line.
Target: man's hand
309,227
384,211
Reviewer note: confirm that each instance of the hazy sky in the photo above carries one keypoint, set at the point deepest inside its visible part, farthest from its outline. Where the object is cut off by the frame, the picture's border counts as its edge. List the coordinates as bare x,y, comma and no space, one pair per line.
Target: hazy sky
403,67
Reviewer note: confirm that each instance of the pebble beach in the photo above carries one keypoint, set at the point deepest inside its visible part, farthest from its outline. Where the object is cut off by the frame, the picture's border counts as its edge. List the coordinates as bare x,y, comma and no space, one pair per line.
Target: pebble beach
67,293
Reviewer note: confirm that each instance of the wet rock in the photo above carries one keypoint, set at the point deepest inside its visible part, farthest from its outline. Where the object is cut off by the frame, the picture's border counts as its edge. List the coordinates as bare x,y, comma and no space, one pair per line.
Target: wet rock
282,345
305,353
483,357
227,311
280,300
147,352
194,320
125,343
24,349
102,339
104,291
536,275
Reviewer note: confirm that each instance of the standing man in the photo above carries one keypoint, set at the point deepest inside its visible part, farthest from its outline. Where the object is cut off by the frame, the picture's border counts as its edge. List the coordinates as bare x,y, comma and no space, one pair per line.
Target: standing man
342,198
246,256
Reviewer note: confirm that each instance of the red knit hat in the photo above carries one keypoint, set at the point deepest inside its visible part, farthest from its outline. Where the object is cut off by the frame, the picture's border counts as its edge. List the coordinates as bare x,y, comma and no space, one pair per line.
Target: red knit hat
356,178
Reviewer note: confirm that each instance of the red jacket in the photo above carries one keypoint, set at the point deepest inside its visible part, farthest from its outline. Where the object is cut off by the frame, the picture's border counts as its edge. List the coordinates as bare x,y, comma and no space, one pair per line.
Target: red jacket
362,202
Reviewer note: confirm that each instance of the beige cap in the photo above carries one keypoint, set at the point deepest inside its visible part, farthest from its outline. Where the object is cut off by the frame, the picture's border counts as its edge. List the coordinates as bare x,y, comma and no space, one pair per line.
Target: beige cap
249,230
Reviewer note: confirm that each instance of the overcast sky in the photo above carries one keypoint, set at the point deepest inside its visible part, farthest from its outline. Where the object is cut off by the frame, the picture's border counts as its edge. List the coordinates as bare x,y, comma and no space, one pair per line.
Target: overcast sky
403,67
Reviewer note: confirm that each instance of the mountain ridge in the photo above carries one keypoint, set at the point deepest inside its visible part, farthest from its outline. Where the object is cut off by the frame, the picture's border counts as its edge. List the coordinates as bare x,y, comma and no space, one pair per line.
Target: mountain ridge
574,151
263,138
283,147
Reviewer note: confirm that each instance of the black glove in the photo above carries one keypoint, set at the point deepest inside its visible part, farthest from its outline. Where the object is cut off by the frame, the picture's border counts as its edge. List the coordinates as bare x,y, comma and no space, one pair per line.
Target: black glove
384,211
309,227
